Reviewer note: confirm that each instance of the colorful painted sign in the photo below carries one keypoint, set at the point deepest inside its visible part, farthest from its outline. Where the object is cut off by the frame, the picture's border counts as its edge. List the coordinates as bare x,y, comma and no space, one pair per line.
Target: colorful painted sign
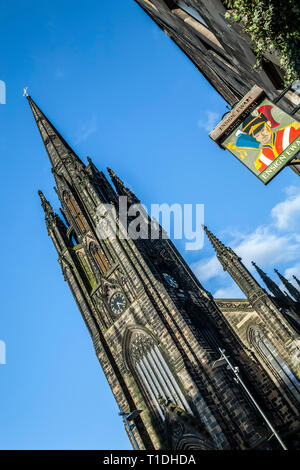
262,136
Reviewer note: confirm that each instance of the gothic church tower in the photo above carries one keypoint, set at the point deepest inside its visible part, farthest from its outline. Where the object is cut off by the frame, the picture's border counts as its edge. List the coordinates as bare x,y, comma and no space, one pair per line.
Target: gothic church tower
156,331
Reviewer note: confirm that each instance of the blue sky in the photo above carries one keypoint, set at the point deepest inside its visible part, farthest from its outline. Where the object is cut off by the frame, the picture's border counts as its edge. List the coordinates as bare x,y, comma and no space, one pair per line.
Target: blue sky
121,92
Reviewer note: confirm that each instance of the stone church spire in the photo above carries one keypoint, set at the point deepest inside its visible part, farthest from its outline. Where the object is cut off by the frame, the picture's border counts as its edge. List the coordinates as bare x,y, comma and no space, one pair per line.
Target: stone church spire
261,301
292,290
154,331
219,247
60,153
232,263
271,285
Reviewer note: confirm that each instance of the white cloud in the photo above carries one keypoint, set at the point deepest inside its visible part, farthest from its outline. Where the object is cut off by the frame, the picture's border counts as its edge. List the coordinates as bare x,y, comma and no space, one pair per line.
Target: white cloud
267,245
231,292
293,271
86,129
263,246
289,273
206,269
210,123
286,214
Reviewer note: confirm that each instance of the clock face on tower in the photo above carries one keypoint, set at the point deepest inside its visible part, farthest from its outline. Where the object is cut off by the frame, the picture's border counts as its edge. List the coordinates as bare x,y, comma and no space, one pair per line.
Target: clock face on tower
118,303
170,280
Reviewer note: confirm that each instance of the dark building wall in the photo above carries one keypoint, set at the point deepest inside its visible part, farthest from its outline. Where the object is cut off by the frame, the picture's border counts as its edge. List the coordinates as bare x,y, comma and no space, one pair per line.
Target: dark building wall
224,55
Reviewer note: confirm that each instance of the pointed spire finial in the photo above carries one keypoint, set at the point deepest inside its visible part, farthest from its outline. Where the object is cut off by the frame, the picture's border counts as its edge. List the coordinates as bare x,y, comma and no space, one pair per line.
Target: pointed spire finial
120,187
271,285
216,243
296,279
233,264
259,270
25,91
292,290
45,204
112,174
59,151
41,194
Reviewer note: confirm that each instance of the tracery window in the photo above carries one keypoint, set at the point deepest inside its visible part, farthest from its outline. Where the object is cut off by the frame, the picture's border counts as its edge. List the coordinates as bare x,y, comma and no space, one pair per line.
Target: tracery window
265,348
75,212
99,257
154,372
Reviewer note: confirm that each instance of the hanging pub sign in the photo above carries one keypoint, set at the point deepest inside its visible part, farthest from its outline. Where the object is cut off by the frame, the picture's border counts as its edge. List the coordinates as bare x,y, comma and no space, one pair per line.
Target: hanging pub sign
257,132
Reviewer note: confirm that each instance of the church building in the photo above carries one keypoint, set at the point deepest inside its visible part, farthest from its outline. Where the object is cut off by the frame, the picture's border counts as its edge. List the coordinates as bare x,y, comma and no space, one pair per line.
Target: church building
158,333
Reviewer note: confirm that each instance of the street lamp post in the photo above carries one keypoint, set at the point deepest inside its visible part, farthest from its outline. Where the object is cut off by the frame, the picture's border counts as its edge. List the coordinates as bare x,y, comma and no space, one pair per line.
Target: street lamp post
224,360
130,417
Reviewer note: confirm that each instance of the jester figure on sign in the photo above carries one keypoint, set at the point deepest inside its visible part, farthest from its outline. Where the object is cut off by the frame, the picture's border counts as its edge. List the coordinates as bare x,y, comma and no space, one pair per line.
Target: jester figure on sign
257,133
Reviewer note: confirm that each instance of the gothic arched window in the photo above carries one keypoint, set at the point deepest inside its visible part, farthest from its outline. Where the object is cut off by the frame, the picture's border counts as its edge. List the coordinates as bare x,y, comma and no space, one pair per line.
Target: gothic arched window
99,257
154,372
75,212
269,353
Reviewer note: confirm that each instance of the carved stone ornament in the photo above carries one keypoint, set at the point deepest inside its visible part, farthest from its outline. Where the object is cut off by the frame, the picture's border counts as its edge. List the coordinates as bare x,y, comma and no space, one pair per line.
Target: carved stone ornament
235,305
140,346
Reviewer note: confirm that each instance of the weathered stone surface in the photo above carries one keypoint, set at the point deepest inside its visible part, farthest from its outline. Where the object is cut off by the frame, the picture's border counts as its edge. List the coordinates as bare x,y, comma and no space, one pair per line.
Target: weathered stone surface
179,335
220,51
